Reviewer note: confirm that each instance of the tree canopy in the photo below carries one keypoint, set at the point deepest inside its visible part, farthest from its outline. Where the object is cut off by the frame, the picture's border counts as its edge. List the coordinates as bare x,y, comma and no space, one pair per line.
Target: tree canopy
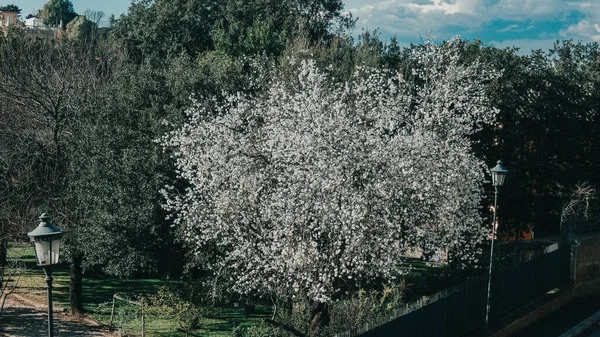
10,8
318,184
57,13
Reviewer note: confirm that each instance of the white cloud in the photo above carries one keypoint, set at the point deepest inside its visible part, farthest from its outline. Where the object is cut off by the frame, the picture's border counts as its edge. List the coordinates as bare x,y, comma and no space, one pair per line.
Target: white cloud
508,28
408,18
528,9
583,29
411,19
587,28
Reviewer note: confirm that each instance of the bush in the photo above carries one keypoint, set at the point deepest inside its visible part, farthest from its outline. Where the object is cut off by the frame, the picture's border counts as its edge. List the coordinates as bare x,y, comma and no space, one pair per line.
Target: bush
168,301
261,330
353,313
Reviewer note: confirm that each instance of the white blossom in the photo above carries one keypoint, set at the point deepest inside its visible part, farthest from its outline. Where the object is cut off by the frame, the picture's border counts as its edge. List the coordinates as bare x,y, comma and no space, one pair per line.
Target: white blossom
313,185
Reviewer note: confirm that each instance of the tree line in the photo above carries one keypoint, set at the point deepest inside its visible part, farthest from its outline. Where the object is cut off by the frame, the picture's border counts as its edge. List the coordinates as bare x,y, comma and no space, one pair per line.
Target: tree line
260,146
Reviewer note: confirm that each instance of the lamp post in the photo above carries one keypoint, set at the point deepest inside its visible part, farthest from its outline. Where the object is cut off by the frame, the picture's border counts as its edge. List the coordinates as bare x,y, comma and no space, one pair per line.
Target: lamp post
499,173
46,244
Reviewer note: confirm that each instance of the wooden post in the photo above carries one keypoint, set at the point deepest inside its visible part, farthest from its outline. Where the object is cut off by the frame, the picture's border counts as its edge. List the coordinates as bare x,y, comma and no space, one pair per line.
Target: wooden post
143,325
139,304
112,312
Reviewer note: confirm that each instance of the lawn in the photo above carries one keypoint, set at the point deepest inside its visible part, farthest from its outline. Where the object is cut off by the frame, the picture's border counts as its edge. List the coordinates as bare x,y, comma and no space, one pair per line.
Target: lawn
98,294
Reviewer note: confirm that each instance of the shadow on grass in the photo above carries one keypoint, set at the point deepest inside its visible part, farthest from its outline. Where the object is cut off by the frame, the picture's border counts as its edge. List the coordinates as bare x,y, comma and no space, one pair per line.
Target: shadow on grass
98,293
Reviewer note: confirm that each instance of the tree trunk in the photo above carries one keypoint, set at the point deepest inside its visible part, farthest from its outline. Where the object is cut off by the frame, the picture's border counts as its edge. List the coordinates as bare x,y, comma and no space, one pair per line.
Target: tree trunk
76,286
3,253
319,317
289,307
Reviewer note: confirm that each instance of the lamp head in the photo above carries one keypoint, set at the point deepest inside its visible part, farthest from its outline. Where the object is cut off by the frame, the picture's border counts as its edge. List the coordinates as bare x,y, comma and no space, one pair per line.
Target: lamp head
46,241
499,173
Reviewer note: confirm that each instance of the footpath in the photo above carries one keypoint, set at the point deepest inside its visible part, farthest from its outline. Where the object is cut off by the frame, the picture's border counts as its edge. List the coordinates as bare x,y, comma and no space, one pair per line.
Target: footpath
24,318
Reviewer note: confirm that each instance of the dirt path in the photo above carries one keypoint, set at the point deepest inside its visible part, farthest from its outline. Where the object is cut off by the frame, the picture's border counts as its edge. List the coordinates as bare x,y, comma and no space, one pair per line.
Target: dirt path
22,318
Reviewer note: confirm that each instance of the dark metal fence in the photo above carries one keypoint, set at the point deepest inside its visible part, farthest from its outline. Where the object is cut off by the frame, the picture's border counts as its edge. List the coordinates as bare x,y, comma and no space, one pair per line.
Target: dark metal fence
460,310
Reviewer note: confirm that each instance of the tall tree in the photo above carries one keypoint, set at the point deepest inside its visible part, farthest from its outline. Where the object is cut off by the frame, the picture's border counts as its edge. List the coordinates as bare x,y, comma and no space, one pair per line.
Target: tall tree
267,26
82,29
58,13
117,172
10,8
154,31
314,186
45,83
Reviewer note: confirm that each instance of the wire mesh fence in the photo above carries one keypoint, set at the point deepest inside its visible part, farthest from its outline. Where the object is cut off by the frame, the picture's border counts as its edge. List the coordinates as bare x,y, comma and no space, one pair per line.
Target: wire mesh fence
11,273
133,316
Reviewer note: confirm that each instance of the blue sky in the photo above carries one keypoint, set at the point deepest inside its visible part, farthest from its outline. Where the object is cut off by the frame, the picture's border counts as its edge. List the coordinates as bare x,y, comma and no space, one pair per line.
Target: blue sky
527,24
116,7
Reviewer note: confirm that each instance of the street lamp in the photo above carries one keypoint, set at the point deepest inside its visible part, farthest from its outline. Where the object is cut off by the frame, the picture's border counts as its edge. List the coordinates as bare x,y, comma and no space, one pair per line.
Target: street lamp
499,173
46,244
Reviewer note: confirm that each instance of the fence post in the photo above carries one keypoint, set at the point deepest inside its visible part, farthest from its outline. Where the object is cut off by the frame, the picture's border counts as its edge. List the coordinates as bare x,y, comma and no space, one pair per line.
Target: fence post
143,325
112,312
466,312
573,261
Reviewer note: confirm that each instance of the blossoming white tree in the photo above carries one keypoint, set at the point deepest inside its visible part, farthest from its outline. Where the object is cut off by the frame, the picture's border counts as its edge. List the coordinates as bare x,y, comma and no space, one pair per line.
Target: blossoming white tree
315,184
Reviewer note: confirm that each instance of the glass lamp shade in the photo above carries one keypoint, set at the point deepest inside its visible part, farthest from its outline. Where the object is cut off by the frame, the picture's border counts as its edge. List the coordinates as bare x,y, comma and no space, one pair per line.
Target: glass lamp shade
499,173
46,241
46,251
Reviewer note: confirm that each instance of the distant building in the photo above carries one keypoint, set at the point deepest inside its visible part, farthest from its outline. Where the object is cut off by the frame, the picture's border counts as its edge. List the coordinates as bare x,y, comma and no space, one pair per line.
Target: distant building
34,23
8,18
36,27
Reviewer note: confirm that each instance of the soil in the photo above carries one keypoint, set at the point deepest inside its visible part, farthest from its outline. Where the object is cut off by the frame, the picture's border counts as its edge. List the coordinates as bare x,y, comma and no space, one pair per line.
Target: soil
24,316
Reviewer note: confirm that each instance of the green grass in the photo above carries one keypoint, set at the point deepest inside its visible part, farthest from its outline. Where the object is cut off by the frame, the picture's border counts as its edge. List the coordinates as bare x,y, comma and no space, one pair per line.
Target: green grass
98,293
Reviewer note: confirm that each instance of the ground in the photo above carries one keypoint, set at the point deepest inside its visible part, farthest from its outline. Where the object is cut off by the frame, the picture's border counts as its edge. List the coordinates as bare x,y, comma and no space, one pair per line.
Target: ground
23,317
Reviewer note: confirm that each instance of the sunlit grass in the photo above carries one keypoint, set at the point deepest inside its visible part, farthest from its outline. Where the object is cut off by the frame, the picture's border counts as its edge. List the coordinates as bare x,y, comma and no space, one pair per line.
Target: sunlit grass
98,293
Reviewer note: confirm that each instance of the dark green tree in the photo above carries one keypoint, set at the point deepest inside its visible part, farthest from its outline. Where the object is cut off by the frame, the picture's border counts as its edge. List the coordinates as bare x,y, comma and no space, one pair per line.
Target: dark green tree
10,8
58,13
154,31
547,128
267,26
117,174
82,29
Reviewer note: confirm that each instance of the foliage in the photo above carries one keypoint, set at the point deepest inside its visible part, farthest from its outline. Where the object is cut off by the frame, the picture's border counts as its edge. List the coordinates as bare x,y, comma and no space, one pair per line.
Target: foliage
169,301
57,13
352,313
317,185
546,130
44,81
156,31
80,28
259,330
266,26
119,172
579,208
70,130
10,8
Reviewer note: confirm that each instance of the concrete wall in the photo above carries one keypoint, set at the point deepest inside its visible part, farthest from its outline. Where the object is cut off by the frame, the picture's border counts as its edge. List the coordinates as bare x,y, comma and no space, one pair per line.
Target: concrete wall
587,265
